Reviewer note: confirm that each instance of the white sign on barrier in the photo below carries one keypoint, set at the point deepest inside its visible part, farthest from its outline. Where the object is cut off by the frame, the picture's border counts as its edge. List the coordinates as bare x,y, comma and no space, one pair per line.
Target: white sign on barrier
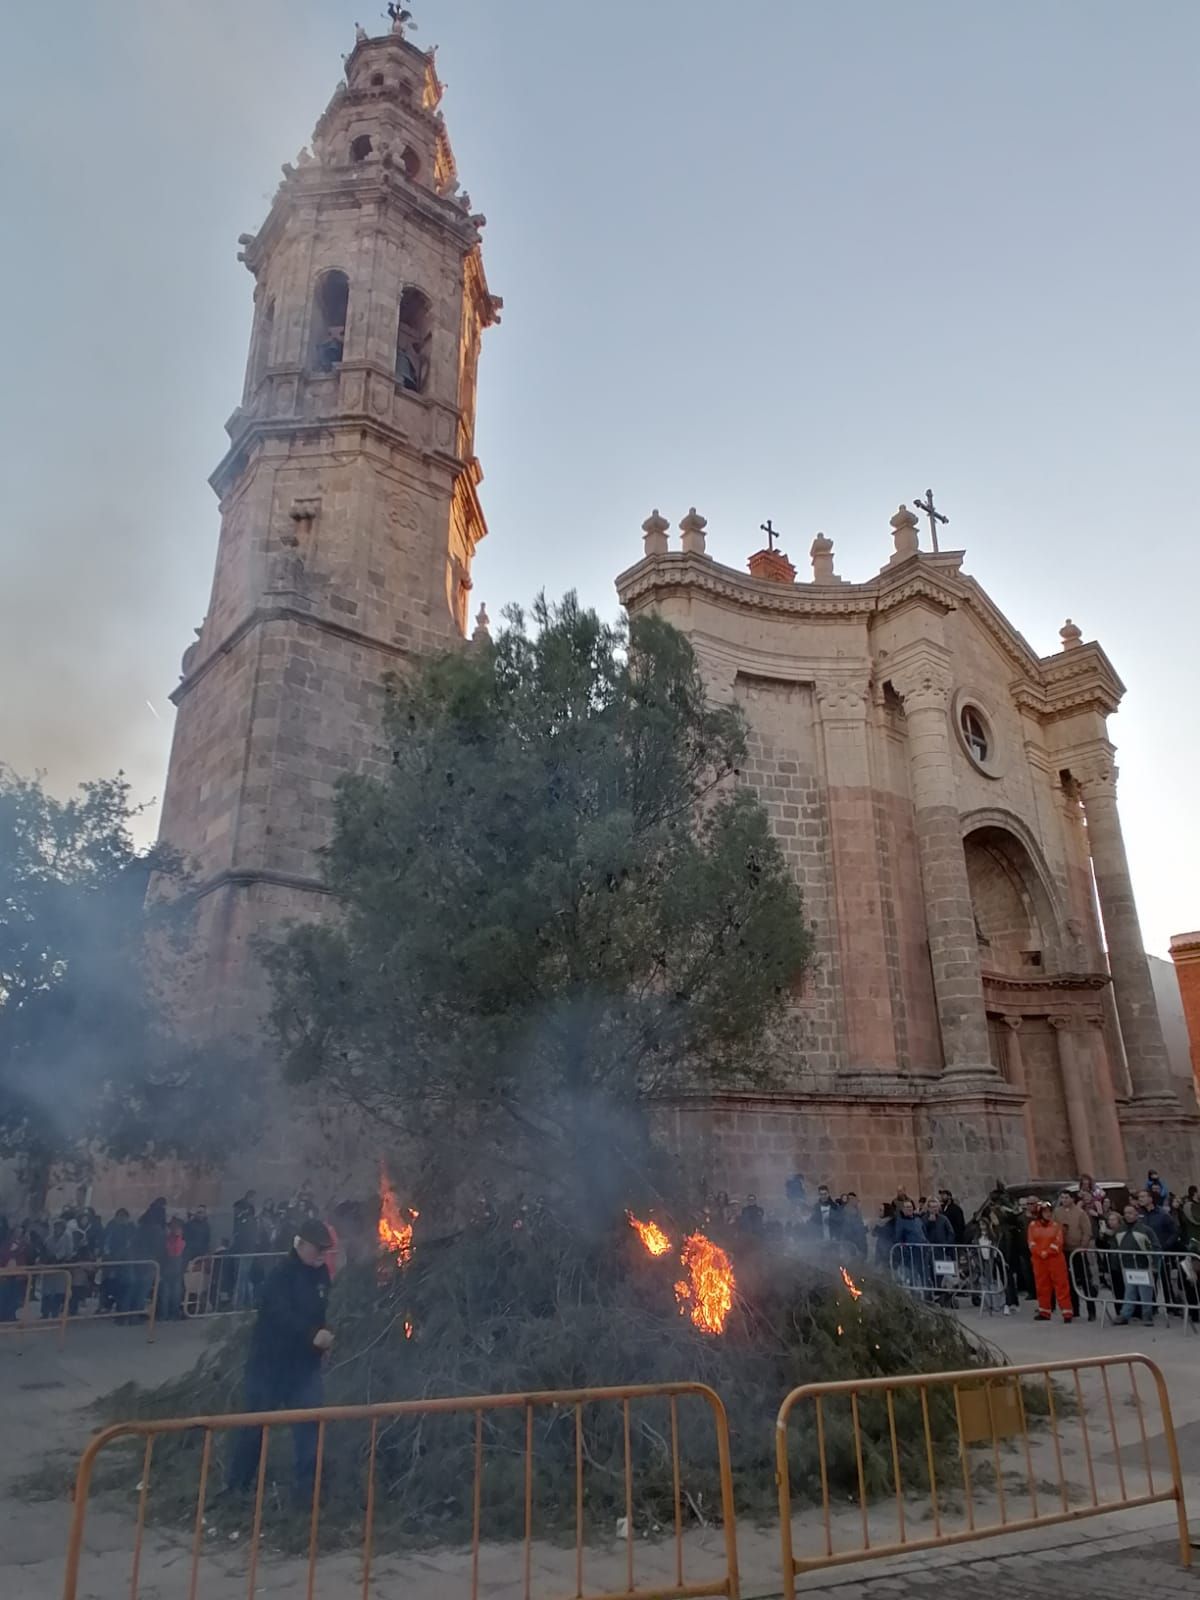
1138,1277
944,1269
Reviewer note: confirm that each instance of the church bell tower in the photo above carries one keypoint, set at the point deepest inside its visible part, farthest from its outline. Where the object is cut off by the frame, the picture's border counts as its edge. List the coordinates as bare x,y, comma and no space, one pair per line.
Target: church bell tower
349,503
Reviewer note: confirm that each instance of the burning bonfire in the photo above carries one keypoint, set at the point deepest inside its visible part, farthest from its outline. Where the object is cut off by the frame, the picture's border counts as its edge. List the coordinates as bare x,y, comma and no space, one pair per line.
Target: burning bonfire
707,1292
484,1305
395,1230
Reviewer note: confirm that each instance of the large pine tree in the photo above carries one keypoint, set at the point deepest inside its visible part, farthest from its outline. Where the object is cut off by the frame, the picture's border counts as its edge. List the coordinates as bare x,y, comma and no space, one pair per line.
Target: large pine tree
559,903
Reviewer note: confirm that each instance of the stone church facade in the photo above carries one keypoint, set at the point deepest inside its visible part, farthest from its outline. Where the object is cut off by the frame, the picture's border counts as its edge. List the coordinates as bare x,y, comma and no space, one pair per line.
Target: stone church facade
944,794
946,798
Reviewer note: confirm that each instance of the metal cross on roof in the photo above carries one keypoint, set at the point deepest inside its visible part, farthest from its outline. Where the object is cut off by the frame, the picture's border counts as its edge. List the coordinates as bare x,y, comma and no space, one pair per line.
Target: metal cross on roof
934,515
770,532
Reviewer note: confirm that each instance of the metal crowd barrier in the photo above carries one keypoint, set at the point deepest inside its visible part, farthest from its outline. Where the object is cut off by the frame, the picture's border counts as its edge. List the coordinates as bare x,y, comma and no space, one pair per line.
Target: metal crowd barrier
945,1273
41,1324
561,1409
962,1423
218,1285
1172,1279
147,1306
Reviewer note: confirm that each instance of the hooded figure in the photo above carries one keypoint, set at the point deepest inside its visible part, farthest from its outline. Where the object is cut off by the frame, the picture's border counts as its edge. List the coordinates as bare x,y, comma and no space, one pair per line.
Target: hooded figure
1046,1248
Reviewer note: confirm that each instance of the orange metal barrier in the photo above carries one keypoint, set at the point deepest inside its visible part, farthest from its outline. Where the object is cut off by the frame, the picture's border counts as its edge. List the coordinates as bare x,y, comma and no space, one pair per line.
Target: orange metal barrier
949,1416
564,1408
19,1325
147,1307
210,1280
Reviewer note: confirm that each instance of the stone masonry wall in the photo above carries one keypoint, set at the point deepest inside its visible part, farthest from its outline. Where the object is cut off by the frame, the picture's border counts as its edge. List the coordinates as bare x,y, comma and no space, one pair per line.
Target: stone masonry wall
781,767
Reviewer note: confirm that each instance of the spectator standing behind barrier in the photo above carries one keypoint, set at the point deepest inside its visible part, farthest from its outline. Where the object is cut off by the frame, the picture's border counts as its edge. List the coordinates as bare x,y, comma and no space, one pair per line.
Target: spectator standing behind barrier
939,1231
885,1234
851,1226
174,1250
1091,1202
953,1214
1137,1248
909,1231
149,1245
824,1222
1157,1186
988,1226
243,1244
1047,1251
283,1368
14,1252
1156,1218
197,1235
1110,1257
116,1286
1076,1227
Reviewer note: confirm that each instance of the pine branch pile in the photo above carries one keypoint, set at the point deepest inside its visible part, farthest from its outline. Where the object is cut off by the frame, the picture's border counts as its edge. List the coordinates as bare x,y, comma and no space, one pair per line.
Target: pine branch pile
523,1303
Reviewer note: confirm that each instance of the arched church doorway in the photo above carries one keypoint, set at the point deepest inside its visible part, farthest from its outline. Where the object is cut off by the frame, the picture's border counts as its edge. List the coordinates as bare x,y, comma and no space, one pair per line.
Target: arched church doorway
1015,924
1017,930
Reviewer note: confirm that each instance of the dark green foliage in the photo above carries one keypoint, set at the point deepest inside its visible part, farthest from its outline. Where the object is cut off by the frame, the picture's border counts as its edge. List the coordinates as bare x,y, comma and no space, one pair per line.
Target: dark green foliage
559,902
87,1057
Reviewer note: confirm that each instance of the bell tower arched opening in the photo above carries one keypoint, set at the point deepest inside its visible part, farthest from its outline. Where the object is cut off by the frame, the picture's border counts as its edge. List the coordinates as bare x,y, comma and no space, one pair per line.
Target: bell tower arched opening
331,306
413,338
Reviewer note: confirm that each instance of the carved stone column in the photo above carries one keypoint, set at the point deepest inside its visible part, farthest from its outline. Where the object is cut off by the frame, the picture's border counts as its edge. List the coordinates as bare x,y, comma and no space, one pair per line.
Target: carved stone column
924,683
1076,1069
1105,1098
1015,1062
868,1024
1141,1029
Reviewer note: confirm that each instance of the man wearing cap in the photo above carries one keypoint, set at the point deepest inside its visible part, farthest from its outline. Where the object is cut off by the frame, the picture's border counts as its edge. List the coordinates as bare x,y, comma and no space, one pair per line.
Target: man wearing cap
283,1368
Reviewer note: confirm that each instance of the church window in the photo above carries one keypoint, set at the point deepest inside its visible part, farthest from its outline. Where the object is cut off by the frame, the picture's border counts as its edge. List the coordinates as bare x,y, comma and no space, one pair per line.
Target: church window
411,161
360,148
975,734
413,338
377,80
331,302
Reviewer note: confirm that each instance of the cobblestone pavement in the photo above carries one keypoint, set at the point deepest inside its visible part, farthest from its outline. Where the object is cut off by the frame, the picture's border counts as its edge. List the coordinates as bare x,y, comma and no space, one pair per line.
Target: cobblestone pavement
1119,1569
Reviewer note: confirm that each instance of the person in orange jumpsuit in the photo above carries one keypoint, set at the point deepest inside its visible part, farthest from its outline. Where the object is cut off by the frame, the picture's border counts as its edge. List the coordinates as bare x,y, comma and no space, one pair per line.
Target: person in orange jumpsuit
1048,1251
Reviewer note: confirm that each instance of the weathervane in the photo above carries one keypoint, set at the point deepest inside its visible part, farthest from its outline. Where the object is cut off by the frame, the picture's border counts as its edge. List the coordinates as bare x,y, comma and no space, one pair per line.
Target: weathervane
934,515
770,532
401,17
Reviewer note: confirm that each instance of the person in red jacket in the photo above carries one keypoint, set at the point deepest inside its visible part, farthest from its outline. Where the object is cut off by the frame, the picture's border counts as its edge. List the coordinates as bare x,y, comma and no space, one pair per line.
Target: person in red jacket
1047,1249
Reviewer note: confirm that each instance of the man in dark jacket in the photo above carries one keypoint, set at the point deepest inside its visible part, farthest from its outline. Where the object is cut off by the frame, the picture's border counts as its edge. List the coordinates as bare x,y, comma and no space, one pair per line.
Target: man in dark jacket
953,1214
197,1234
283,1368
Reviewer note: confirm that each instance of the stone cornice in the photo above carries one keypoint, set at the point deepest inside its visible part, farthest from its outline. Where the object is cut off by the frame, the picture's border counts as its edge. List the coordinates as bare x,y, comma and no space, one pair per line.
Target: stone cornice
1090,981
247,877
880,1093
1048,687
357,187
283,613
657,577
245,430
1082,679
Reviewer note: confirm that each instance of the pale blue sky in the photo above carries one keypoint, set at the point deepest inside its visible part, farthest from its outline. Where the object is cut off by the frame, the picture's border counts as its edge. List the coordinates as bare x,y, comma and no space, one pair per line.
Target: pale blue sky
776,258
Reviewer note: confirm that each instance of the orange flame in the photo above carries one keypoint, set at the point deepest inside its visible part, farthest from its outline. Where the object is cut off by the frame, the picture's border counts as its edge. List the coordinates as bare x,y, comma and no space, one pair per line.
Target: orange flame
651,1235
395,1230
408,1329
850,1284
709,1294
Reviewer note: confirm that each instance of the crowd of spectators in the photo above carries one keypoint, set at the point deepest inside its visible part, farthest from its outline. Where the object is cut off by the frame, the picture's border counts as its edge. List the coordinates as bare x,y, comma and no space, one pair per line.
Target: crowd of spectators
110,1266
1142,1243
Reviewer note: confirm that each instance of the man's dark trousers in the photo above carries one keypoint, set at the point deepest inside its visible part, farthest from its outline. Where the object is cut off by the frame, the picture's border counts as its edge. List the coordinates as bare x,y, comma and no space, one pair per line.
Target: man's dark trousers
268,1391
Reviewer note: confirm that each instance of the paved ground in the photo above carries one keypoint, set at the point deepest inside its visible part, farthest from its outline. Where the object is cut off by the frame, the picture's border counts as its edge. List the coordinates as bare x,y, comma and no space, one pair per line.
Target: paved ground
47,1394
1123,1569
